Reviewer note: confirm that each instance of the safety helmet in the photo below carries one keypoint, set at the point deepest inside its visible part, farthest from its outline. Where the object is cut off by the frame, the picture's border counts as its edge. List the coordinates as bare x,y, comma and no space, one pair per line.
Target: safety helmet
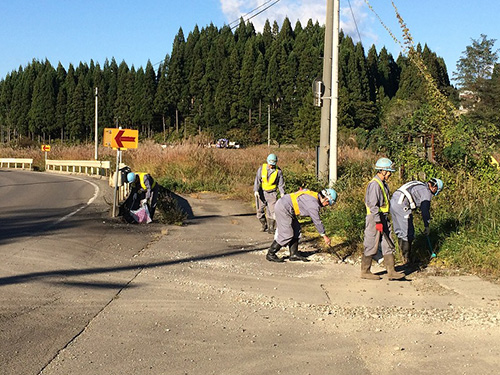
384,164
272,159
130,177
330,194
437,182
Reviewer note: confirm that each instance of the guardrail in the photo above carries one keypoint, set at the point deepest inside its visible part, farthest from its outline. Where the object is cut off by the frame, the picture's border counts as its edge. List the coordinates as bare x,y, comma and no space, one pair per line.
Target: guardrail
89,167
16,163
92,168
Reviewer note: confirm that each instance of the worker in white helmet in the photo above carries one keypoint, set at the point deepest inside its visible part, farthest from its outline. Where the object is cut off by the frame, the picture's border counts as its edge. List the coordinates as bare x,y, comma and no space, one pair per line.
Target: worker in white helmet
412,196
268,181
377,225
301,203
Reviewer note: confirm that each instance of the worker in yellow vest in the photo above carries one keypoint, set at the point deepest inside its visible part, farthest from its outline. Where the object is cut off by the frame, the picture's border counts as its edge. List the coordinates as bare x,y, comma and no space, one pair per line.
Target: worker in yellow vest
268,181
143,189
301,203
377,225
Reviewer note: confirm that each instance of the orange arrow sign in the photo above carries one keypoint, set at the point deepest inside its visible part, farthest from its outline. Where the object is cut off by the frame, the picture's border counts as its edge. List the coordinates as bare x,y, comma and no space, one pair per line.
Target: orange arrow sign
45,147
120,138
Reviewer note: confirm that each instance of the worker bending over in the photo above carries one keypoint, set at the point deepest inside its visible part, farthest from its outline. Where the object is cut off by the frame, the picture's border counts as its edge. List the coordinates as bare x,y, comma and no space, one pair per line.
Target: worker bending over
143,189
412,196
302,203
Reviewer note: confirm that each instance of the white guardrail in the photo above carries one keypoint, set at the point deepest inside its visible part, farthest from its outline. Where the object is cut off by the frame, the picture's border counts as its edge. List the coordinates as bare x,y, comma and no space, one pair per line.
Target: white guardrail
95,168
89,167
16,163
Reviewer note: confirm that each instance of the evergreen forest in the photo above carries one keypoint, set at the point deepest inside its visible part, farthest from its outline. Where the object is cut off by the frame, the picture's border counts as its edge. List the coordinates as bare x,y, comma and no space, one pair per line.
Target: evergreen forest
219,82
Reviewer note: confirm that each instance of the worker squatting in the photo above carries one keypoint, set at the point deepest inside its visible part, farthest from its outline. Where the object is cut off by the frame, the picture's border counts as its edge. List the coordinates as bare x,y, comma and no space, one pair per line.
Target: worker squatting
279,216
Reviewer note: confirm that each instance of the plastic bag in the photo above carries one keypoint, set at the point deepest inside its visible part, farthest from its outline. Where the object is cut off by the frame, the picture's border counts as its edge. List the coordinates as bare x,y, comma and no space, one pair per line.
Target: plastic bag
141,215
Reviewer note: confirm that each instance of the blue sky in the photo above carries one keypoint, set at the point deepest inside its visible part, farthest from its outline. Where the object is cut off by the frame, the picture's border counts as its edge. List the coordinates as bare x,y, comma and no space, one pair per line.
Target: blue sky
74,31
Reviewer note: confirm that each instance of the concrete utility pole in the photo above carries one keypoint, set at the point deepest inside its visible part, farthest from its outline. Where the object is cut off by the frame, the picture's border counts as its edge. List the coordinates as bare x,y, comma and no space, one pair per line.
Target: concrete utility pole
327,155
327,81
335,94
96,128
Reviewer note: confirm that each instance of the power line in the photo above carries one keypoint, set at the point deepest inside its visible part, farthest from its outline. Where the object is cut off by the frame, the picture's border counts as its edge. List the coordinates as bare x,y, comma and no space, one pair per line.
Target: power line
355,23
253,10
274,2
256,14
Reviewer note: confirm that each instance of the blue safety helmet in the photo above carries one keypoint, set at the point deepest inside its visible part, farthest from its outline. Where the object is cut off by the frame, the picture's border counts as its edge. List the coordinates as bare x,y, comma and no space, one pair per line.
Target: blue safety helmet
437,182
330,194
272,159
130,177
384,164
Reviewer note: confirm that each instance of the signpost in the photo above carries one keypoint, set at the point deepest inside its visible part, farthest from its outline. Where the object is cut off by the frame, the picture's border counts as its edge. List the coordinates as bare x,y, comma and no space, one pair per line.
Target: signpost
119,139
45,148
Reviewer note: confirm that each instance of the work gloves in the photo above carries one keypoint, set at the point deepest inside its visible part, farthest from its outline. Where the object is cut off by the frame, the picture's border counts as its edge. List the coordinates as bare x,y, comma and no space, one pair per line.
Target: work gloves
379,227
256,193
427,231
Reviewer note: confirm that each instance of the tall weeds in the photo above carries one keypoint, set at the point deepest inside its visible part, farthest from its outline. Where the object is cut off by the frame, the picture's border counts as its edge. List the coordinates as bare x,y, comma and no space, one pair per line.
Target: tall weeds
465,230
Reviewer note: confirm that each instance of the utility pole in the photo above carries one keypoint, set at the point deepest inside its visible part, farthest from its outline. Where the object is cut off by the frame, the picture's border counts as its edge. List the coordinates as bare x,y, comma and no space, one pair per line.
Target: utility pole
96,128
335,94
325,109
327,155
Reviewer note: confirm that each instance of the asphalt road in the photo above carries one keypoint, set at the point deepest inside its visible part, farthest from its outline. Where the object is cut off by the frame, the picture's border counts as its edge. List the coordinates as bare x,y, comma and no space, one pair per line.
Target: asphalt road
88,298
62,260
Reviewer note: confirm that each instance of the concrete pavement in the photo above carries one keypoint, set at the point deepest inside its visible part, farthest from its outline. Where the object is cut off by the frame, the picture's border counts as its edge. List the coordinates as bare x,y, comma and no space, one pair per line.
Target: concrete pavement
206,301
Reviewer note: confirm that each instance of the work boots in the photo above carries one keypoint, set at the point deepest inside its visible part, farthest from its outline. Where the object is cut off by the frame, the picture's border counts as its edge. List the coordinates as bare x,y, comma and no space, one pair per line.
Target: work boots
263,223
366,263
391,272
405,251
271,225
294,251
271,253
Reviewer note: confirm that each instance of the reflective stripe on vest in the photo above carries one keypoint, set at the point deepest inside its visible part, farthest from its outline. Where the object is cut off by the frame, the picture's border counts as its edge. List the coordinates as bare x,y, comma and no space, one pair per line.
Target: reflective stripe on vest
385,207
270,184
141,180
294,197
404,189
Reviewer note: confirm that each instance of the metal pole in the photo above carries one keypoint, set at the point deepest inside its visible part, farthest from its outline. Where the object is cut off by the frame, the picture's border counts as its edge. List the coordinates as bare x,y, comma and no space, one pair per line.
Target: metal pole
96,128
335,94
325,110
268,125
115,192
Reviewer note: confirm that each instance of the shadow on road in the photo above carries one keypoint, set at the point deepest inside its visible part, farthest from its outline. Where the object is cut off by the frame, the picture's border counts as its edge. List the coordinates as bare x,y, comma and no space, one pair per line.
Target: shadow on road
29,277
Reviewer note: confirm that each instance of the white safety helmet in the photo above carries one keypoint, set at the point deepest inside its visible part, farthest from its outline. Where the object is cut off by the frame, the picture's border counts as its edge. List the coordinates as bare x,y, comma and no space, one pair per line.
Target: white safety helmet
272,159
437,182
384,164
130,177
330,194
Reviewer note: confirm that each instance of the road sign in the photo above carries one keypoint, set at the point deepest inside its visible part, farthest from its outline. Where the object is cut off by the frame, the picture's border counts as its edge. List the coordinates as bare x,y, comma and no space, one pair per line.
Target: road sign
120,138
45,148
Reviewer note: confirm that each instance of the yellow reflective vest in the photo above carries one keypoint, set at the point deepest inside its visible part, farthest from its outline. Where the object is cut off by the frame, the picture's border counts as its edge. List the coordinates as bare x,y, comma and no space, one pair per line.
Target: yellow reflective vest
385,207
270,184
141,180
294,197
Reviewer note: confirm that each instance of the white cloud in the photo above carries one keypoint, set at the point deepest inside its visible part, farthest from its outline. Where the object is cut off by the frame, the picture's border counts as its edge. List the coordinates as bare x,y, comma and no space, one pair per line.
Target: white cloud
304,10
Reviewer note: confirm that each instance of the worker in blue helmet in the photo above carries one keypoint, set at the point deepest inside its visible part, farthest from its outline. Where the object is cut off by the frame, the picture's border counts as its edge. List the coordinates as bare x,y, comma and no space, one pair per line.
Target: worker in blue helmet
143,190
377,226
268,182
301,203
412,196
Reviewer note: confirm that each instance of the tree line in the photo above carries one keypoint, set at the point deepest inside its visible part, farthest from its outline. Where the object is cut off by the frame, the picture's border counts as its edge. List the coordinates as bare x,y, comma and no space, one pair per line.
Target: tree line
224,82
